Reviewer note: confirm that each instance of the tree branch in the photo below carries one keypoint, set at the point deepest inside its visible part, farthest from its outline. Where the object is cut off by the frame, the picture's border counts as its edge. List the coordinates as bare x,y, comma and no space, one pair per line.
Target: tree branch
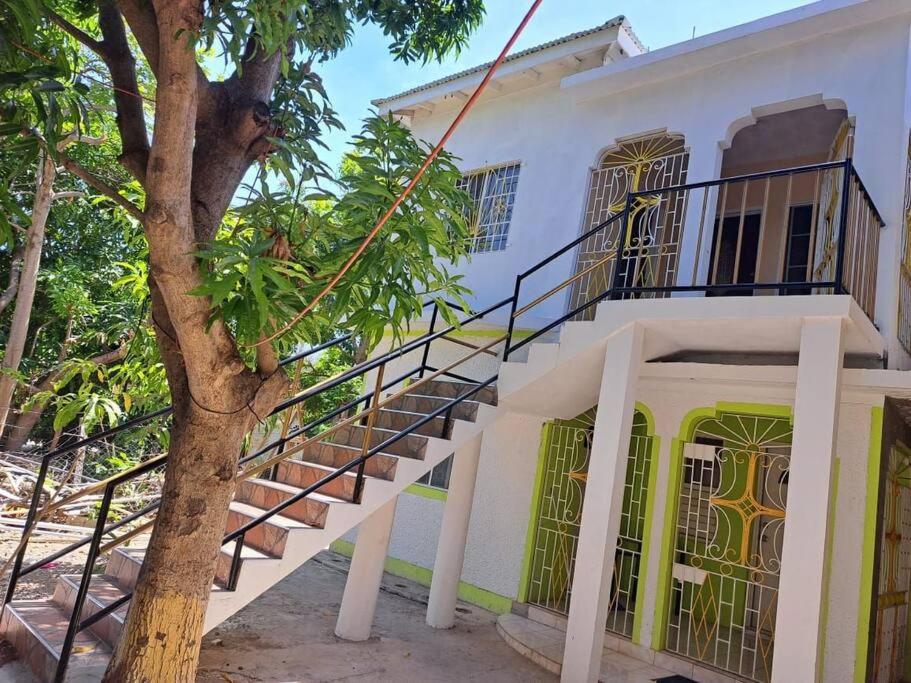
15,271
103,187
121,64
143,21
25,421
76,32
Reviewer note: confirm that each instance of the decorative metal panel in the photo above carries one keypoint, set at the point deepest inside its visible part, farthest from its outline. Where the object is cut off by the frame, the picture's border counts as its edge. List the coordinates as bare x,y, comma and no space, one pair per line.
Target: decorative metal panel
904,285
651,250
894,569
830,205
727,548
566,458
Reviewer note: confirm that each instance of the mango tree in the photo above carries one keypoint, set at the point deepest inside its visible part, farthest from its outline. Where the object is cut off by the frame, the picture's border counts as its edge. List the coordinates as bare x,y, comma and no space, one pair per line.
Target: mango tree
211,313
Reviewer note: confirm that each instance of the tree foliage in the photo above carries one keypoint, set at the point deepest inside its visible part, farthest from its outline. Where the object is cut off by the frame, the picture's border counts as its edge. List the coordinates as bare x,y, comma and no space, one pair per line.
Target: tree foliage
211,116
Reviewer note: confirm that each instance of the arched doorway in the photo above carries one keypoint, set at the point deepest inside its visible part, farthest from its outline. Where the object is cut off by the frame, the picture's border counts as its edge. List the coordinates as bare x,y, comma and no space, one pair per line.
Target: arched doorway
727,542
566,453
652,244
780,228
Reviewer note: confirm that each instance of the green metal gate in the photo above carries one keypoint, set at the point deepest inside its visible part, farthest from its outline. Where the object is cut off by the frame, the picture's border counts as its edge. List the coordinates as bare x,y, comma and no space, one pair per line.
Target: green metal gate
567,450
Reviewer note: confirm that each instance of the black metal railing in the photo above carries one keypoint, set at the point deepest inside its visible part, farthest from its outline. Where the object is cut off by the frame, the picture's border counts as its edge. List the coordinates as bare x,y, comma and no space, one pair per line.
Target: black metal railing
277,450
630,255
804,230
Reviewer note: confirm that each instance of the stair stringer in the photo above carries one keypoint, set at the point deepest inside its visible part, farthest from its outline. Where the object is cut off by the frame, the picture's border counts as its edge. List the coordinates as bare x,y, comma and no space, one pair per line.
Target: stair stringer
304,543
560,380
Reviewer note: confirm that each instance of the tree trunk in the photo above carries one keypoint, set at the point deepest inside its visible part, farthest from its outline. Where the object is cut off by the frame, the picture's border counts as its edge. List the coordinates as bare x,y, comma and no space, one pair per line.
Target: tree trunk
15,345
162,635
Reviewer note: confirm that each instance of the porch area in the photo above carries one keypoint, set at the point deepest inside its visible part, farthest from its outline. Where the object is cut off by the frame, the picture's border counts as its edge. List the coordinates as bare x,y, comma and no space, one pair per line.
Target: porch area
787,214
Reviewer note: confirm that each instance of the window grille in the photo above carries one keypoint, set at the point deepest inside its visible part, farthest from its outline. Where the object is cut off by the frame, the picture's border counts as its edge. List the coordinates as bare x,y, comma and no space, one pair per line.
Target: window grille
493,195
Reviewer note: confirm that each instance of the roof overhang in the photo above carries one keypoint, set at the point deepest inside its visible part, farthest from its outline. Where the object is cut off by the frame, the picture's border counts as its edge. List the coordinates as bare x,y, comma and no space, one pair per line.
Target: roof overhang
550,62
763,35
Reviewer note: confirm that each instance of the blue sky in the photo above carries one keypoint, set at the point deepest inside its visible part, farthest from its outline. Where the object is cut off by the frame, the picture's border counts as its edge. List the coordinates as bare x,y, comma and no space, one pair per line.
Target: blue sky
366,71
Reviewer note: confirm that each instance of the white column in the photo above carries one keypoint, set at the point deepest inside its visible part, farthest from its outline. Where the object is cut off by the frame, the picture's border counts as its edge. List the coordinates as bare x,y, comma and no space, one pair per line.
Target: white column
447,568
798,646
601,506
355,616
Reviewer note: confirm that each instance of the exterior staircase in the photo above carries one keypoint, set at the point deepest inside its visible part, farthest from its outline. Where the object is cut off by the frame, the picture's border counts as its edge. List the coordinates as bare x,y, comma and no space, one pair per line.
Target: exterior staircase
273,548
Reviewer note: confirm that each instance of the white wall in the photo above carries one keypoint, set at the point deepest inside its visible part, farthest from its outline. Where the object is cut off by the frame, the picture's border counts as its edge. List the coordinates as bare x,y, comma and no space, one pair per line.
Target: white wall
557,133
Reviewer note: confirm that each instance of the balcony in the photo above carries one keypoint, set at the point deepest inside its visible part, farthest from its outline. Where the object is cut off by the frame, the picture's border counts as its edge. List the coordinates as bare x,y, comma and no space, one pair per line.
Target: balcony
807,230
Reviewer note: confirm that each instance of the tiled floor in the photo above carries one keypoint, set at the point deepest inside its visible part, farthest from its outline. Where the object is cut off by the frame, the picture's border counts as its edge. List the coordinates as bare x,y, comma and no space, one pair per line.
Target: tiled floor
544,646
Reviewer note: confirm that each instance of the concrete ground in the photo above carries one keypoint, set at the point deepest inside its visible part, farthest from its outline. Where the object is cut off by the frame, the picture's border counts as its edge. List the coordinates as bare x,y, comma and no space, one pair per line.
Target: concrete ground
287,634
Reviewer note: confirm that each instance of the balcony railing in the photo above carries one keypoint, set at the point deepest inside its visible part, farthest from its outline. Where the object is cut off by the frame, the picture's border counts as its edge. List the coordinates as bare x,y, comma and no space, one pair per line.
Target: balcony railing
804,230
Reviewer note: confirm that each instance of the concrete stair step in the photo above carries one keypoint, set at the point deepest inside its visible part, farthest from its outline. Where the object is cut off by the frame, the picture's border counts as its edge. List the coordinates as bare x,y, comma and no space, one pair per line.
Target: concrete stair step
449,389
103,591
249,557
419,403
335,455
124,566
269,537
266,494
411,446
37,628
398,420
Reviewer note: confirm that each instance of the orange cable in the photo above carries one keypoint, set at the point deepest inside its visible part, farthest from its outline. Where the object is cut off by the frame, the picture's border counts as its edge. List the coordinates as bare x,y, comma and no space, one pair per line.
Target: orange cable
414,181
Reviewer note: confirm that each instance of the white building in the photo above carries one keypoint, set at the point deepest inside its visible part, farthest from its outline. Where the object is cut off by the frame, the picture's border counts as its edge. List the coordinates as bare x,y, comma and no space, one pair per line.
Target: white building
760,526
692,272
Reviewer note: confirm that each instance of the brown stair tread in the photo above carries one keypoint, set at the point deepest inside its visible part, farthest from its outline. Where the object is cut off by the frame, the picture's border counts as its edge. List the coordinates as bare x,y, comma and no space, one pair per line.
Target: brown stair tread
49,623
246,552
355,450
103,590
288,488
278,520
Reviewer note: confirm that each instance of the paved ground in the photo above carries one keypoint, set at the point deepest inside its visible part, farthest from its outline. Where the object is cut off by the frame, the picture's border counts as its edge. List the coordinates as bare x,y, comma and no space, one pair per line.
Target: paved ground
288,635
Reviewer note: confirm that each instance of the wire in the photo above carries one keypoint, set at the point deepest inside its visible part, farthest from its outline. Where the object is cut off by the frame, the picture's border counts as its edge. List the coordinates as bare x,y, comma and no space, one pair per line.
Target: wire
469,104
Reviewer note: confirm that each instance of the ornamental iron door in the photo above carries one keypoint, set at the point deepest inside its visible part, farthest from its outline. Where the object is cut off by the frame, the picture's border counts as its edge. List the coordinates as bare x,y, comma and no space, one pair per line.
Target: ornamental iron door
651,248
728,541
566,458
894,569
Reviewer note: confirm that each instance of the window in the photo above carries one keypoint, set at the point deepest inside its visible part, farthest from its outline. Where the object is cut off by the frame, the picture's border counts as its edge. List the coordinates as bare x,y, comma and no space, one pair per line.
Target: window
438,477
493,194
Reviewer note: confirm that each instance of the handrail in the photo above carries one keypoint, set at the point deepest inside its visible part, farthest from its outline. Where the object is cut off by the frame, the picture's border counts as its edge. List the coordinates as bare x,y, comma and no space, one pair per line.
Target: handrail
148,465
437,412
566,247
746,177
162,412
373,363
238,534
246,474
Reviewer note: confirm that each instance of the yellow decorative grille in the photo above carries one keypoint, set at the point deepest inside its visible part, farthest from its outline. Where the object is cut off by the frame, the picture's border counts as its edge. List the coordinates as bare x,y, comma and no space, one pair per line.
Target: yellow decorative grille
729,533
904,292
894,569
651,248
567,454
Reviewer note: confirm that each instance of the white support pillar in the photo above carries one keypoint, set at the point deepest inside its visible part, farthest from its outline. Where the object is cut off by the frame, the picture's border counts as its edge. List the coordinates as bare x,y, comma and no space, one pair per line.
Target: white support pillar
601,507
355,616
798,636
447,568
